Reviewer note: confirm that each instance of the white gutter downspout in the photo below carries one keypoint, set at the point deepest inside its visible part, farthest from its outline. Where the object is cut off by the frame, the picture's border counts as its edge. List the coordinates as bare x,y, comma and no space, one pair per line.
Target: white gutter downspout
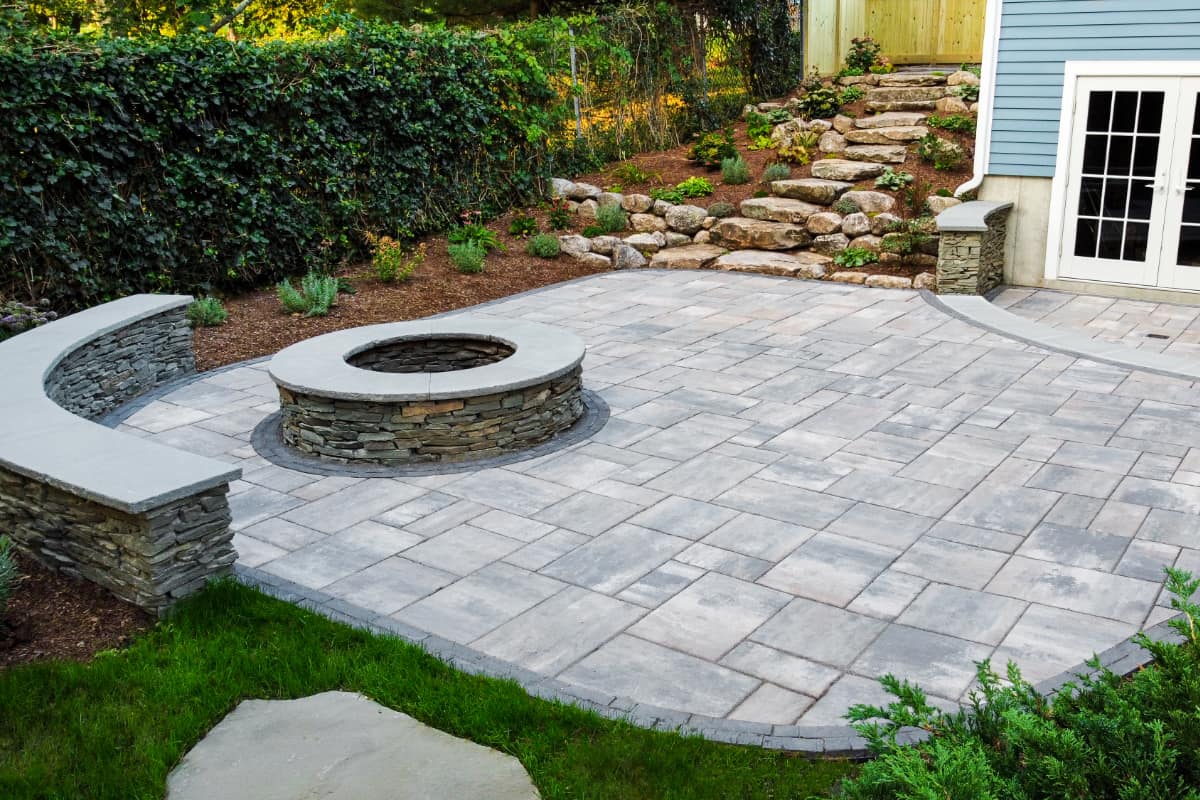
987,95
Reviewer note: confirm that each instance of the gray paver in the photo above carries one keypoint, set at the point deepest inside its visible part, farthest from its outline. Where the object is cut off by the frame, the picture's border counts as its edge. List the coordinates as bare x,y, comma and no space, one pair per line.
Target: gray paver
943,665
951,562
978,616
829,568
819,632
1074,546
1046,641
613,560
1093,592
1011,509
389,585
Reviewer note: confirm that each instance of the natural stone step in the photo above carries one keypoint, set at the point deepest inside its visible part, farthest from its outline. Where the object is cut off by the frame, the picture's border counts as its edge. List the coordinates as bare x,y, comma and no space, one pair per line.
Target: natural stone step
879,153
737,233
811,190
906,133
779,209
890,119
839,169
870,202
692,256
912,98
793,265
912,79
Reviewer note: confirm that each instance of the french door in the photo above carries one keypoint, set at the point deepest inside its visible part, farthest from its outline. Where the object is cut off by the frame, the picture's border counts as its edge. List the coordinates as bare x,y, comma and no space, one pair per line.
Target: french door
1133,193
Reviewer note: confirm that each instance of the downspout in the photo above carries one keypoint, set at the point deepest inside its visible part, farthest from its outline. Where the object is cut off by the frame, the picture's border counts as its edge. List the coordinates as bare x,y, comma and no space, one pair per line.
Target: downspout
987,95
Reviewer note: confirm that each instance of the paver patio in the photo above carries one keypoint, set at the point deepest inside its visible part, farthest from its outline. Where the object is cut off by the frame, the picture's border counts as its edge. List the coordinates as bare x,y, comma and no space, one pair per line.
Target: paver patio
802,485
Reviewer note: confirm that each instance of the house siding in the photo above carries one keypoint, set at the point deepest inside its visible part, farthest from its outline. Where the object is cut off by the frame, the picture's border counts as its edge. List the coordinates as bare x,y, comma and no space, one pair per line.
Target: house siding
1038,36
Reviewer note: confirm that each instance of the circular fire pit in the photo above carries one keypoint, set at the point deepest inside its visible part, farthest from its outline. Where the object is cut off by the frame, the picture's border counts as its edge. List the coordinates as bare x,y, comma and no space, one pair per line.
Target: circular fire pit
443,390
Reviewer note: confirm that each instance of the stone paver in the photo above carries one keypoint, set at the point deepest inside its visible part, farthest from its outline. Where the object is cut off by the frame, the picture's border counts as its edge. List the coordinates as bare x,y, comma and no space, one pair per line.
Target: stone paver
801,485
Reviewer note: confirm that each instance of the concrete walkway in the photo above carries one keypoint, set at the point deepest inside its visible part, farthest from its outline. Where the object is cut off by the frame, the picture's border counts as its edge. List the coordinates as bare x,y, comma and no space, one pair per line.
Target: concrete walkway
803,485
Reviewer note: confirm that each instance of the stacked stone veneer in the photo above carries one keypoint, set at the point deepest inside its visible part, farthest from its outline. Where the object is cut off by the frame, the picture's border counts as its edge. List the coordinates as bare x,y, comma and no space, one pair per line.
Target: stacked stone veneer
432,355
118,366
431,431
150,555
972,261
150,559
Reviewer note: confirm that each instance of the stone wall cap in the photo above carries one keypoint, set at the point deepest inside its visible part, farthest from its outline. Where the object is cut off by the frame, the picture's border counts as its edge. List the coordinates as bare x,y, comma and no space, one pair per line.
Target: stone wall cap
969,217
319,366
43,441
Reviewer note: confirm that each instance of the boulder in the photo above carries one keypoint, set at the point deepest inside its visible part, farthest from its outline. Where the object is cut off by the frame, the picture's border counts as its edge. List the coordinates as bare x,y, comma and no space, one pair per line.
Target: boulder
743,233
685,219
647,242
767,107
677,239
820,125
912,79
647,223
849,277
839,169
974,108
824,222
962,78
879,153
811,190
899,133
637,203
584,191
937,204
710,221
831,142
871,202
842,123
880,223
905,94
595,260
889,282
604,244
793,265
561,187
784,132
868,242
574,245
830,244
660,207
926,280
587,209
609,199
951,105
721,209
921,260
626,257
853,80
692,256
702,237
854,225
572,206
890,119
779,209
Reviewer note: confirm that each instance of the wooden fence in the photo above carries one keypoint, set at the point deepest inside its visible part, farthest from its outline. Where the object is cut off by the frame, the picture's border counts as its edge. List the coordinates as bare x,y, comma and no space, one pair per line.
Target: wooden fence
911,31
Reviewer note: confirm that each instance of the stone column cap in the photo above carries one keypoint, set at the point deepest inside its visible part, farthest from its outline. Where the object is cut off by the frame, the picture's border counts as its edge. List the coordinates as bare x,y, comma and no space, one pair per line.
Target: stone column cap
969,217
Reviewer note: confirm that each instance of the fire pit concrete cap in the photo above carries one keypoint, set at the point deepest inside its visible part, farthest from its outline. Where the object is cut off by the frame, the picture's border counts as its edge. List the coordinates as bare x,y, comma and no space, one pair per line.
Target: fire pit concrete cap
319,366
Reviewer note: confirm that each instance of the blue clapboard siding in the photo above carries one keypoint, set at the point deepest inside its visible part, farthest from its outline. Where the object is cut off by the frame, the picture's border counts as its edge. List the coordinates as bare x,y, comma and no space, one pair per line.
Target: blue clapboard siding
1037,36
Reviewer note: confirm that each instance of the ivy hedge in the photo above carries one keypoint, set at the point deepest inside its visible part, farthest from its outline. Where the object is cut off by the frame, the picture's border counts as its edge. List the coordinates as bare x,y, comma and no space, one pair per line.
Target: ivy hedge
197,163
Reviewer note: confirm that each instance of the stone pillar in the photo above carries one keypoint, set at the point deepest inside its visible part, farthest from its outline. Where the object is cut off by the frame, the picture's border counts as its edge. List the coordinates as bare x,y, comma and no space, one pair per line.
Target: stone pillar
971,254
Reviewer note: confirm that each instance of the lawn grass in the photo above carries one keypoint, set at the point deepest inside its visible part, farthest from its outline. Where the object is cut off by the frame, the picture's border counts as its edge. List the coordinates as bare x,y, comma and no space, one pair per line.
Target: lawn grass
113,728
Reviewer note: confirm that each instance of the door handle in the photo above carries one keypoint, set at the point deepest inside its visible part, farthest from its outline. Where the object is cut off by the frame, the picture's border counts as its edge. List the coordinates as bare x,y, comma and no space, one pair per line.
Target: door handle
1157,187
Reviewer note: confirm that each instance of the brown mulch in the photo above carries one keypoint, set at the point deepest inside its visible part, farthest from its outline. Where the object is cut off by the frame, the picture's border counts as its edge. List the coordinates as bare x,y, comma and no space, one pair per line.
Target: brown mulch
51,616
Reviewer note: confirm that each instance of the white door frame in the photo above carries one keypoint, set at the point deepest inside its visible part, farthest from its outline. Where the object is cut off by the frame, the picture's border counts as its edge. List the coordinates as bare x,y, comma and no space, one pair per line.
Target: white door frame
1072,72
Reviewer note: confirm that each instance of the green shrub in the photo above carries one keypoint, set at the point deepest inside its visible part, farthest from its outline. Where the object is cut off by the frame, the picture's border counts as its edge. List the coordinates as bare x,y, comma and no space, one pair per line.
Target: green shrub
851,72
974,69
593,230
206,312
721,210
779,116
197,163
672,196
853,257
543,245
776,172
1102,737
845,206
819,103
8,573
969,92
942,153
694,186
713,148
17,317
560,215
953,122
863,54
395,262
612,218
630,173
468,256
851,94
735,170
890,179
478,233
318,293
523,225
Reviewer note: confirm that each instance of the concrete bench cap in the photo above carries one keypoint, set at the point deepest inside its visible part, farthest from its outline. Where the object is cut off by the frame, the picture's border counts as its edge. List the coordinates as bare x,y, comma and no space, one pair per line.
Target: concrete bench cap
969,217
43,441
319,366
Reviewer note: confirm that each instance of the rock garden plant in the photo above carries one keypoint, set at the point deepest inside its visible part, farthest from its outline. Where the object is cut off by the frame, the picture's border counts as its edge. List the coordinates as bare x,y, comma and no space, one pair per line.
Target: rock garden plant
735,170
468,256
543,245
317,294
393,261
206,312
17,317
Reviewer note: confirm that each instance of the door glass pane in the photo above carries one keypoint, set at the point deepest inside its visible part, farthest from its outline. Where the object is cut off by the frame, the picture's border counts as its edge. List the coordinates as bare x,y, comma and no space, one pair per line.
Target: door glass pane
1137,237
1145,156
1115,192
1089,197
1194,158
1191,204
1095,151
1087,232
1120,153
1124,113
1150,112
1196,121
1099,106
1111,236
1141,198
1189,246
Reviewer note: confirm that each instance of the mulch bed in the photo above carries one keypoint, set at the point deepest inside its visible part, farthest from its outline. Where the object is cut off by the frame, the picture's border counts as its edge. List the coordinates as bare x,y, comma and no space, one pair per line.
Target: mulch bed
51,616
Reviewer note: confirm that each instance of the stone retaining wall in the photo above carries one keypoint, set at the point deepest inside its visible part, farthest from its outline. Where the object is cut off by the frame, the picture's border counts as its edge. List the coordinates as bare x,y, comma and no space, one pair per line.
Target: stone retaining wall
119,366
150,559
430,431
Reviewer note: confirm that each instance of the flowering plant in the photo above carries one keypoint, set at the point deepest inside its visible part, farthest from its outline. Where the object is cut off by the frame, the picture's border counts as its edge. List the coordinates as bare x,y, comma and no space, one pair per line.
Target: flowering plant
18,317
